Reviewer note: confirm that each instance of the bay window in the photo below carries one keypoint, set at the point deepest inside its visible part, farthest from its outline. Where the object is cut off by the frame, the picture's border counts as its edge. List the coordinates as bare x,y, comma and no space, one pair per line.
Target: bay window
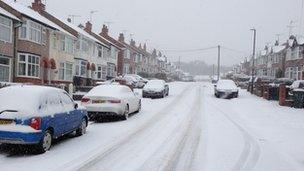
33,31
99,72
6,26
81,68
28,65
66,71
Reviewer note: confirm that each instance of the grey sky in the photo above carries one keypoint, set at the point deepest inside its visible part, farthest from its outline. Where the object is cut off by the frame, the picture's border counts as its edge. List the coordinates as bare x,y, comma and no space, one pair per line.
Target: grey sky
189,24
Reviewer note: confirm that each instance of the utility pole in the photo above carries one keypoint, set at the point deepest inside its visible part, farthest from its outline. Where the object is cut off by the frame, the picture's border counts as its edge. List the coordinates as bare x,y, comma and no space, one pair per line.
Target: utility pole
253,57
278,37
213,67
218,62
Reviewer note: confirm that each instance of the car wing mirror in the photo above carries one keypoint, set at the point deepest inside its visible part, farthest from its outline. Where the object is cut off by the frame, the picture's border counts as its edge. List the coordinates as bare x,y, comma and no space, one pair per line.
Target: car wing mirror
75,106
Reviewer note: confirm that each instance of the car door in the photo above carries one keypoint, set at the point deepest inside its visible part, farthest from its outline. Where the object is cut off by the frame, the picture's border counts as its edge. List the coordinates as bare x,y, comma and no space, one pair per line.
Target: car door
55,108
73,116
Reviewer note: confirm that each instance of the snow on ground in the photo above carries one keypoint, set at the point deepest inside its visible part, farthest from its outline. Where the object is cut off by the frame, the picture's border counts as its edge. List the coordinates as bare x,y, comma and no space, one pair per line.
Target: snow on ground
189,130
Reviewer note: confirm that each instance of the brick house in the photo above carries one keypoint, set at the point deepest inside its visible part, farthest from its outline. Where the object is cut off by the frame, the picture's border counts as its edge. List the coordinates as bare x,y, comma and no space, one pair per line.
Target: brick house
32,61
62,48
294,59
8,22
129,66
277,61
119,47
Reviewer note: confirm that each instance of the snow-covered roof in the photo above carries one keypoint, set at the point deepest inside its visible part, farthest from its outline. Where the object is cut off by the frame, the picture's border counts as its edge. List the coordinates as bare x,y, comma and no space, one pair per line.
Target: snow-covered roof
7,14
277,49
34,15
81,31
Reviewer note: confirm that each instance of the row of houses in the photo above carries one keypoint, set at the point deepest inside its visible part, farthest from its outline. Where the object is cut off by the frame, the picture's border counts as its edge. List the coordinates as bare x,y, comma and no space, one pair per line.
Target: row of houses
40,48
284,60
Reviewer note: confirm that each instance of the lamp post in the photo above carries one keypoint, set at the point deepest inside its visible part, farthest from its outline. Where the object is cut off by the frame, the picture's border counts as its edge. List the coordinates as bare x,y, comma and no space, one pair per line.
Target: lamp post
253,57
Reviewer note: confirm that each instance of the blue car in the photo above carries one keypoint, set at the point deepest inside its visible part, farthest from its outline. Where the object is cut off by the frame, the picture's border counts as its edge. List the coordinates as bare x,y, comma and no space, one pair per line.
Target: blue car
35,115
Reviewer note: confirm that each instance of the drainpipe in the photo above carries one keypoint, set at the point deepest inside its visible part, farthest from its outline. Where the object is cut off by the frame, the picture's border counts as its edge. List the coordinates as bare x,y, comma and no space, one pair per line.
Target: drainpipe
15,53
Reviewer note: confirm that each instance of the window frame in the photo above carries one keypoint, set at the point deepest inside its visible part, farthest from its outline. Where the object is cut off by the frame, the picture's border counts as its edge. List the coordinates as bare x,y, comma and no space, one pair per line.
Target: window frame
10,28
26,62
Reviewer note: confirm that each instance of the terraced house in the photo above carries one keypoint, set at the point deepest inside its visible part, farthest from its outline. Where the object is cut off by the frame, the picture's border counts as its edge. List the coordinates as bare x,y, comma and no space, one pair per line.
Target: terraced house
109,56
119,46
8,22
294,59
32,57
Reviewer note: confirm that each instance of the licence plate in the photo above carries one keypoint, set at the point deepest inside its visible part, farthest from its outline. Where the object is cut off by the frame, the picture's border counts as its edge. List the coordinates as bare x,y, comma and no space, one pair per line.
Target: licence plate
99,101
5,122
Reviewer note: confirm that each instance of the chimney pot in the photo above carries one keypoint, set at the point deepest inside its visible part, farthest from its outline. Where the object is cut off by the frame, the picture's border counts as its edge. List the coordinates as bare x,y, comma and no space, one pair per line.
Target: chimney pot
88,27
104,30
38,6
121,37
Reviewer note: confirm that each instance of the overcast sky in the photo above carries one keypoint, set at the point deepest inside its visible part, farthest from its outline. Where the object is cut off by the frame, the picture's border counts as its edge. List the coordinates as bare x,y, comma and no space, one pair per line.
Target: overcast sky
189,24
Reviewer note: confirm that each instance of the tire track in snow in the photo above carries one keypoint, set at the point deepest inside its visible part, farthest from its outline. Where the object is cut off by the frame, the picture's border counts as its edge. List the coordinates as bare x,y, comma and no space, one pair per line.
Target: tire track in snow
92,157
179,149
251,151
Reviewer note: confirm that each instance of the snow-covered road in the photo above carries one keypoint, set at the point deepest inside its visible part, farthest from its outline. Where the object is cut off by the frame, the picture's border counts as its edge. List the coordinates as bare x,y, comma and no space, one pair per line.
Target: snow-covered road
189,130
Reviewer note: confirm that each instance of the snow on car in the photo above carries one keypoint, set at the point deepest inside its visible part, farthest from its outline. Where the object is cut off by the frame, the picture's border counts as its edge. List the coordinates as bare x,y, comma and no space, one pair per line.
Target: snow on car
226,89
36,115
156,88
111,100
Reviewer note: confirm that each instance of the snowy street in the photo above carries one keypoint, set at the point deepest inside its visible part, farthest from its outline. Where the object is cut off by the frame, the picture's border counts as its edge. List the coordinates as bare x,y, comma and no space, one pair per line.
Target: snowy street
189,130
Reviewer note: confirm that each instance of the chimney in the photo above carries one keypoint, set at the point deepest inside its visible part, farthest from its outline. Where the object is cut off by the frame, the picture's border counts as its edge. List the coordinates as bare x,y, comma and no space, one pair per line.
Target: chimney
121,37
145,47
88,27
104,31
132,43
140,46
38,6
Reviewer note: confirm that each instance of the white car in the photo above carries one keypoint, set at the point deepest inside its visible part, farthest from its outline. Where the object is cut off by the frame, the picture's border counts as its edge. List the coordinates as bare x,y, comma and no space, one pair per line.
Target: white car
226,89
156,88
111,100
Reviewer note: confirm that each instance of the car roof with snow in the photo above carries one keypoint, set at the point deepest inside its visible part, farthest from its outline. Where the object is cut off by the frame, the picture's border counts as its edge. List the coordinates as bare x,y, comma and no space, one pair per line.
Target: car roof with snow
226,84
26,98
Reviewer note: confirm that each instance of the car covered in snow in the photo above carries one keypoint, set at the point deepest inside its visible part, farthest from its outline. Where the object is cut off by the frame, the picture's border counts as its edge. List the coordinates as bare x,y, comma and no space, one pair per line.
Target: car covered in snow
155,88
36,115
139,82
226,89
111,100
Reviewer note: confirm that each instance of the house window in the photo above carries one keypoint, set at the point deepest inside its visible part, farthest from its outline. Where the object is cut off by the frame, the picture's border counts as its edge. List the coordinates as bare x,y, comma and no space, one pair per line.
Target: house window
28,65
81,68
99,72
62,43
5,29
111,70
4,69
100,49
66,71
128,54
33,31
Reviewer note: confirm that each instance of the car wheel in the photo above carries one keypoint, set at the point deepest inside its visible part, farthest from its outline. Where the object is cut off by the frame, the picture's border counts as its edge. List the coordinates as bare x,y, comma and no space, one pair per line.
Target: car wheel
82,129
45,143
126,113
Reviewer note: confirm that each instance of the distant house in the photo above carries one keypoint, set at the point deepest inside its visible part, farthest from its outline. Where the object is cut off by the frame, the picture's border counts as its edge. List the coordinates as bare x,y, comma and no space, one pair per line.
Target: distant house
117,49
294,59
129,66
7,40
